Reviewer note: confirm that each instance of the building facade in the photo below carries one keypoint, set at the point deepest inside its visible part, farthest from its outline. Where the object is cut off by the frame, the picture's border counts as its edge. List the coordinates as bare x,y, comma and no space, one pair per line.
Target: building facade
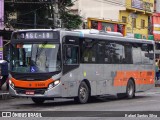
157,6
134,13
1,27
156,21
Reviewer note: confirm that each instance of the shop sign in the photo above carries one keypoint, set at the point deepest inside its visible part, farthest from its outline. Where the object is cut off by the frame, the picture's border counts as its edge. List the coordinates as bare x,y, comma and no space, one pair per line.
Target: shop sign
148,6
1,48
107,26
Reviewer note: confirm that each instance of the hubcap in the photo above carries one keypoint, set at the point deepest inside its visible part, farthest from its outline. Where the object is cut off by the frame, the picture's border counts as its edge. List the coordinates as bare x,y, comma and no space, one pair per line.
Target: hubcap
83,93
130,89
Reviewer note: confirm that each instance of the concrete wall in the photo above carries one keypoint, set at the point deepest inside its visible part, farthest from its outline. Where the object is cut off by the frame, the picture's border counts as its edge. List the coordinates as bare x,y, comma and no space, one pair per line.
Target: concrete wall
100,9
158,6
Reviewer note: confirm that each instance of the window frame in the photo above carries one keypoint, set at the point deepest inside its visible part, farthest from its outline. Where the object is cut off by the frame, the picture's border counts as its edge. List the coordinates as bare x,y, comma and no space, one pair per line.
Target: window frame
134,22
142,24
124,19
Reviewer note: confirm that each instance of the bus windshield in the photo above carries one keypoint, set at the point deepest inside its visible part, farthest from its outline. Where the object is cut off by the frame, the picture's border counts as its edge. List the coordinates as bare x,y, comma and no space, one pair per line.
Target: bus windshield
35,58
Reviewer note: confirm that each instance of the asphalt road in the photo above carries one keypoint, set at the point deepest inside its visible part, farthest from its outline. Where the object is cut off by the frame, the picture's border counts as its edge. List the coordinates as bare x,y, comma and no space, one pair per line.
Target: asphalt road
145,101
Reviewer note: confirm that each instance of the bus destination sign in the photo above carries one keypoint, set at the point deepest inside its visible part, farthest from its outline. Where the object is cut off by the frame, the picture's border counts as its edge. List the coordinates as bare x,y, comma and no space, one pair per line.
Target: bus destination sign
36,35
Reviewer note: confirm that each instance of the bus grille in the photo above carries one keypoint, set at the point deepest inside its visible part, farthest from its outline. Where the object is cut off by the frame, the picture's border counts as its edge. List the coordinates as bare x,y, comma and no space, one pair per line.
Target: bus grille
36,91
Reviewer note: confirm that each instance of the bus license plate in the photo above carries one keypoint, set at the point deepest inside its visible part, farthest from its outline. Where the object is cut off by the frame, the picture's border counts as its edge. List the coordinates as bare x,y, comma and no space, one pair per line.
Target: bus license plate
29,92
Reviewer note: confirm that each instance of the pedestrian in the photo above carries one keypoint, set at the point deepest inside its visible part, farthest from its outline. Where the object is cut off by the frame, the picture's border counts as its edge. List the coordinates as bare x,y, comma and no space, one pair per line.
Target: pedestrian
157,69
4,74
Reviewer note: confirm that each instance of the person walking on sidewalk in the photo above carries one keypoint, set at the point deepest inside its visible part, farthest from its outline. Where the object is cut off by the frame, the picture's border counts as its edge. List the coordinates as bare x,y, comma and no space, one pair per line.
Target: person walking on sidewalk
4,74
157,69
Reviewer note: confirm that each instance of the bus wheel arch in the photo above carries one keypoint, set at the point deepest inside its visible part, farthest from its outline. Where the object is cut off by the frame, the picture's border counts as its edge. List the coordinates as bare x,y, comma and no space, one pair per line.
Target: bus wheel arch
88,84
130,88
83,92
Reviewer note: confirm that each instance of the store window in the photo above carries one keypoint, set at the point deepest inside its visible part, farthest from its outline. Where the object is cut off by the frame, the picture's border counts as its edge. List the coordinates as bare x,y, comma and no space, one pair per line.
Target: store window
142,24
124,19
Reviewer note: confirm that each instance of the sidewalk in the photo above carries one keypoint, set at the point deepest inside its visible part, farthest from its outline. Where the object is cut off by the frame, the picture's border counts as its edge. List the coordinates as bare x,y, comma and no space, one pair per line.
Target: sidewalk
4,94
157,83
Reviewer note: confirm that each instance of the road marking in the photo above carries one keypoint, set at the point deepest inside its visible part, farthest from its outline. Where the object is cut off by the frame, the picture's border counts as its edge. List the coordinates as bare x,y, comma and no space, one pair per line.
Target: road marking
149,93
148,101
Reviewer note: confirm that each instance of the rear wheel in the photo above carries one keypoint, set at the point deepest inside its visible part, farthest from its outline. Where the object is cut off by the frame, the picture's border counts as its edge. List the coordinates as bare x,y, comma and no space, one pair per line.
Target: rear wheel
38,100
83,93
130,91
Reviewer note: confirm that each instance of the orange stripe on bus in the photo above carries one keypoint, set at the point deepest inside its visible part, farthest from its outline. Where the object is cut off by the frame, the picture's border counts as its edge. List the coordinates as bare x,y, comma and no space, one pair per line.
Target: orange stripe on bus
31,84
140,77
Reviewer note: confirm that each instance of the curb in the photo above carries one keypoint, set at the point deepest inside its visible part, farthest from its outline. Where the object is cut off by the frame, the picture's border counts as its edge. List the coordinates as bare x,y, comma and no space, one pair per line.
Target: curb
157,85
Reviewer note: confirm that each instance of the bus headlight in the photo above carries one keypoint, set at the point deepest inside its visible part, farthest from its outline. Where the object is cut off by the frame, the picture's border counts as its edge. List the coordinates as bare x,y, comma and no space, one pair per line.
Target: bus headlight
53,84
11,83
56,82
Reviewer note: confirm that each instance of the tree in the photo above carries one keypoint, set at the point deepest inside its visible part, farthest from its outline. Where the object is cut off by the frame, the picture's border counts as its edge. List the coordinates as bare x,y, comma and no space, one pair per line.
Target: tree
30,14
69,20
35,14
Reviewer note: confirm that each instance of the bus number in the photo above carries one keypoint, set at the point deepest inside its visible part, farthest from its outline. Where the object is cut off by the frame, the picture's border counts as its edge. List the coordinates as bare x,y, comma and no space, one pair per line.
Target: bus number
40,84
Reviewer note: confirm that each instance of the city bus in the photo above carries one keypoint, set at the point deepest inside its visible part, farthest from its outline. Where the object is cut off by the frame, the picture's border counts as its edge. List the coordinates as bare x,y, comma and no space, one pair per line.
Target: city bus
80,64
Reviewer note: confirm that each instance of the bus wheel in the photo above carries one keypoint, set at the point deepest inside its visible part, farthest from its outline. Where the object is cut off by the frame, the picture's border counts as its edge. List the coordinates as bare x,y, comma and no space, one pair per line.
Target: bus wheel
38,100
83,93
130,91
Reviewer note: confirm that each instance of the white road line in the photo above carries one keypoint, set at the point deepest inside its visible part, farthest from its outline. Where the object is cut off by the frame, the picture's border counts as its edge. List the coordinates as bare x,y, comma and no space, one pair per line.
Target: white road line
149,93
148,101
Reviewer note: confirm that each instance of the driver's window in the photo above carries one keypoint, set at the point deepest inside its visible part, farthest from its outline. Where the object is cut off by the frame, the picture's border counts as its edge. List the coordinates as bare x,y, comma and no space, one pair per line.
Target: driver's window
71,54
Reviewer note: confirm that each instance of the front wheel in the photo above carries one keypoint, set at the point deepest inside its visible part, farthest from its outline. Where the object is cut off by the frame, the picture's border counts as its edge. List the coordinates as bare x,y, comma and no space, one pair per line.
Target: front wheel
130,91
38,100
83,93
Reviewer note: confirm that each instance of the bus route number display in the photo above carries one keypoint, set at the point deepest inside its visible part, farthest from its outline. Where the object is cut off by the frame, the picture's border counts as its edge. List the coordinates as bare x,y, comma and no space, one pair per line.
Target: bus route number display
37,35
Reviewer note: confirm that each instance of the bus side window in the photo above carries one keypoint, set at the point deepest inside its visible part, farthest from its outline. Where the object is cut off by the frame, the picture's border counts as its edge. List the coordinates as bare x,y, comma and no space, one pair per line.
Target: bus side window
147,54
71,54
89,51
128,53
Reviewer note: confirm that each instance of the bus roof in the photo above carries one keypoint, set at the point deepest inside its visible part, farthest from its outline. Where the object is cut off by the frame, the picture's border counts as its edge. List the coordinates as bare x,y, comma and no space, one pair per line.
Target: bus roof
92,33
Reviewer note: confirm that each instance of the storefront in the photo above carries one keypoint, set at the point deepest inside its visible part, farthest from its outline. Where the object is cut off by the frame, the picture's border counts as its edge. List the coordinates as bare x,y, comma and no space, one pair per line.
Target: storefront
1,27
106,25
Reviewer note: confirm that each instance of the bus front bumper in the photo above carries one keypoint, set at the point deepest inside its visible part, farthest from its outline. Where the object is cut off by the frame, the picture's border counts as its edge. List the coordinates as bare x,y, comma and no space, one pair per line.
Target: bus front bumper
53,92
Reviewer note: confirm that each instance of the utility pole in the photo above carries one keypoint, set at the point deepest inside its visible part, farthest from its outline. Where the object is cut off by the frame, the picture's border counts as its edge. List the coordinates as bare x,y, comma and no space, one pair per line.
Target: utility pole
35,19
56,14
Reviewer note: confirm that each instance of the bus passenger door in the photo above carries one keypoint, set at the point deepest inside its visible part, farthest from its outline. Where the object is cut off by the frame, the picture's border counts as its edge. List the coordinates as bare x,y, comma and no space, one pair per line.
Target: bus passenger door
71,72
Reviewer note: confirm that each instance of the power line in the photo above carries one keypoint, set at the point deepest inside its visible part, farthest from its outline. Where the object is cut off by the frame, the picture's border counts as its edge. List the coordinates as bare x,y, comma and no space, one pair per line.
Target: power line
28,2
31,11
114,3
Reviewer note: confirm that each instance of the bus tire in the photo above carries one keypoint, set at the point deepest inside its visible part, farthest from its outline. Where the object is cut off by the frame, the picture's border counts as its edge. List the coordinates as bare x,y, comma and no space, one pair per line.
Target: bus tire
83,93
38,100
130,90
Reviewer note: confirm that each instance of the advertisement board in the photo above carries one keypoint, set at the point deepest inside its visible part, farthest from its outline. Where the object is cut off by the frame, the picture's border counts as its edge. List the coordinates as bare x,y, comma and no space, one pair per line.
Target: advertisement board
142,5
137,4
1,48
